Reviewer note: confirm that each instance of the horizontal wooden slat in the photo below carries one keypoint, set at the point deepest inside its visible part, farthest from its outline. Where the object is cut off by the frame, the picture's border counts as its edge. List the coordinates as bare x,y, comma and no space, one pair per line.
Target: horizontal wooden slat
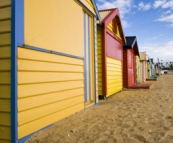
31,127
5,105
45,66
38,77
4,77
5,52
112,69
5,132
41,56
25,103
5,39
36,113
5,26
114,73
114,85
5,91
5,3
113,61
114,81
5,13
5,64
5,141
36,89
5,119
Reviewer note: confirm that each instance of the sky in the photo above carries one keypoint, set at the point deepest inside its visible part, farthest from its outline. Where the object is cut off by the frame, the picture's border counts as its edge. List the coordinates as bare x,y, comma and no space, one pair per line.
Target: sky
151,21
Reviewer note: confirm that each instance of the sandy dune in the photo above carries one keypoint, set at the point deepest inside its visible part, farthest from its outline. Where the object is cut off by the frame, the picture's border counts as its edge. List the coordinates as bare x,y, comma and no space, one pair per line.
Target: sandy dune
131,116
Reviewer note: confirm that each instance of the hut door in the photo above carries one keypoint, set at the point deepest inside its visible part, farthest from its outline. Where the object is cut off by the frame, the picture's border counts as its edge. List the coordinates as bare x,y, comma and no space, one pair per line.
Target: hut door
88,59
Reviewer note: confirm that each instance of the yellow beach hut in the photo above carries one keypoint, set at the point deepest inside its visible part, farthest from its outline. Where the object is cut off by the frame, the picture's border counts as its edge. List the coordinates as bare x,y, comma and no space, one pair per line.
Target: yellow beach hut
48,63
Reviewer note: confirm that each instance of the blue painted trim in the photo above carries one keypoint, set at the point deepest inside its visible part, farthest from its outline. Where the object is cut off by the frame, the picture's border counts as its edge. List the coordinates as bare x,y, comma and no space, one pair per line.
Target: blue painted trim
17,36
29,136
98,15
49,51
85,82
89,61
20,22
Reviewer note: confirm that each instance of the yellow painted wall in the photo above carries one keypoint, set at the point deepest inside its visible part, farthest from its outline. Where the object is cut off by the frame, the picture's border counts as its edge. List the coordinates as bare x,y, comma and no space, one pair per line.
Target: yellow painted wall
51,24
99,58
5,48
110,27
114,76
50,87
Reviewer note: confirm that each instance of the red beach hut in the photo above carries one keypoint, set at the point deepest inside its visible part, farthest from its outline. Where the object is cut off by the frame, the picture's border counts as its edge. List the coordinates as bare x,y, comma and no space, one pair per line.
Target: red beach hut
110,39
130,51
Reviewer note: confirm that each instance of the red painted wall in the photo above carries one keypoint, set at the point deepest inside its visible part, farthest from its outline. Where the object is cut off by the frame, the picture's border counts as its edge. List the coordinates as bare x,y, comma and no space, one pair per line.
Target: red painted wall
114,48
129,68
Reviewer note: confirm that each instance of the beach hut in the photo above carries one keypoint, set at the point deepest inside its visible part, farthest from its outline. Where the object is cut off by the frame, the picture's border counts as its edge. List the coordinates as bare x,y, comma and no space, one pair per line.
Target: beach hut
130,51
138,78
143,66
48,63
110,40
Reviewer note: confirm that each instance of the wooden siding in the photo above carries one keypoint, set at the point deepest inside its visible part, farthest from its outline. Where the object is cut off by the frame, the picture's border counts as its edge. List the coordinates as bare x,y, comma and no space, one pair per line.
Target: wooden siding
5,55
114,76
50,27
110,27
96,60
138,69
125,69
56,89
99,58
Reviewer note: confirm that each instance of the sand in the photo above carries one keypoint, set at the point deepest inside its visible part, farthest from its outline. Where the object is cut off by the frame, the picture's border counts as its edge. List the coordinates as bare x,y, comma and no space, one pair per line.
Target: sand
130,116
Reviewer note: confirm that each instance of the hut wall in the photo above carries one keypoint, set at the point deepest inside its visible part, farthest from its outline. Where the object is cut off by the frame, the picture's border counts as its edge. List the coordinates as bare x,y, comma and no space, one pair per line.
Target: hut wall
51,86
125,69
114,75
99,58
5,69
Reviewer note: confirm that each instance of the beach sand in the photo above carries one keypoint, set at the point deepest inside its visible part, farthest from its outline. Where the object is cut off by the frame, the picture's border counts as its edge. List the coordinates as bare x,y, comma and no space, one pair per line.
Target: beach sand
130,116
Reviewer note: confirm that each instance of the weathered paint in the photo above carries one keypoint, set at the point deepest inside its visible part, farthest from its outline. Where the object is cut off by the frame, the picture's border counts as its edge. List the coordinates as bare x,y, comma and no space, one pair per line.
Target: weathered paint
114,75
5,70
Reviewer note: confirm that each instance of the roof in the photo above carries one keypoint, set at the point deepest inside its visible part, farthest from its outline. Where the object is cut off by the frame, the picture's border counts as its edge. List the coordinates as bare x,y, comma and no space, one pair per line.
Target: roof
131,43
107,15
95,6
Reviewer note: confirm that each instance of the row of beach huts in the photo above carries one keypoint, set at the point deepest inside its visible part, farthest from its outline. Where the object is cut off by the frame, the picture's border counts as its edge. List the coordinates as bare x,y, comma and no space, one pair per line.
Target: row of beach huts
57,57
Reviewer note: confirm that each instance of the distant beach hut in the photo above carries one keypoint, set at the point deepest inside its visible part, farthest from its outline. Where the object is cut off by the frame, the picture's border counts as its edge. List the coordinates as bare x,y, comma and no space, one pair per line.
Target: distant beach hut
110,40
130,51
138,77
143,66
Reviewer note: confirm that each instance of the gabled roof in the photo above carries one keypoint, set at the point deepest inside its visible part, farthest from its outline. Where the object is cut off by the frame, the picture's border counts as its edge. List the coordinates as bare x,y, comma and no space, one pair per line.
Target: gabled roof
95,6
107,15
131,43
